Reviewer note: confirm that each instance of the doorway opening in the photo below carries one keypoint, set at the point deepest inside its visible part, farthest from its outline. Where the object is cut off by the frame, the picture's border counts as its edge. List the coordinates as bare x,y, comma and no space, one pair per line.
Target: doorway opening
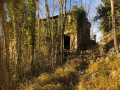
66,42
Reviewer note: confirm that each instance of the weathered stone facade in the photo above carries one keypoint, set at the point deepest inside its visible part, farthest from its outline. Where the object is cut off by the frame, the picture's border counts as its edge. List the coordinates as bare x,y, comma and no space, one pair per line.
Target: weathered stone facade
79,36
77,32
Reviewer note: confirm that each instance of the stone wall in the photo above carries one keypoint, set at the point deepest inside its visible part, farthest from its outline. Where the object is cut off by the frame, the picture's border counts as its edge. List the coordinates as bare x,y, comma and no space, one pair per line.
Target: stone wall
83,34
73,41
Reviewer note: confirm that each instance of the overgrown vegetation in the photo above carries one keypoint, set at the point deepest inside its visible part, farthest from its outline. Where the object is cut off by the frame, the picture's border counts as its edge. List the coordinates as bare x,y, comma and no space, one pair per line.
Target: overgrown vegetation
63,78
32,54
75,17
102,75
31,45
104,14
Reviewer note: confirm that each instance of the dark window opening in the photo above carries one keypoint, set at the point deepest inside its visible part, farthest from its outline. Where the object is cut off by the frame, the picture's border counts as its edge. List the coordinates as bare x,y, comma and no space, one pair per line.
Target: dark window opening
66,42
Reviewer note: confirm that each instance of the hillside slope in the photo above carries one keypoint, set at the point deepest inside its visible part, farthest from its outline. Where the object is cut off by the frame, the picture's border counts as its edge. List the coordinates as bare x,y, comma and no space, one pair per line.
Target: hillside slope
97,68
66,77
105,73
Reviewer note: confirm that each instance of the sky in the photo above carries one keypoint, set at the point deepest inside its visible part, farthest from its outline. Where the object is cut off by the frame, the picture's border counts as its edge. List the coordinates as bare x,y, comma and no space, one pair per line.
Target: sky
88,5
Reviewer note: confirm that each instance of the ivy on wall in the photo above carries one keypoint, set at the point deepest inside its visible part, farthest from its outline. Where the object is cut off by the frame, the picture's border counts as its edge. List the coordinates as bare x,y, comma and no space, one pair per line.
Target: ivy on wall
77,16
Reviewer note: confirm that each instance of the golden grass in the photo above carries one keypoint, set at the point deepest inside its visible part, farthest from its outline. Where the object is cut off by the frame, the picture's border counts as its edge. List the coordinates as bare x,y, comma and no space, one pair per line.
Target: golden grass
108,76
59,80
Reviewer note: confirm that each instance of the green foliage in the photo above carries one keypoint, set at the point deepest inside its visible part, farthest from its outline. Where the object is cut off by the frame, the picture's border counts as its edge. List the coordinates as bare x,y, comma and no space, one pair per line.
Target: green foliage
77,16
18,7
30,27
74,8
104,14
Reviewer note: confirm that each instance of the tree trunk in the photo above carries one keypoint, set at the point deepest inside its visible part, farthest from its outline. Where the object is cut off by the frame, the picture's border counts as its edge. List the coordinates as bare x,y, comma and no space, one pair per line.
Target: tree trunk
63,28
33,20
61,38
48,39
6,44
59,34
15,31
70,4
38,25
52,62
18,42
114,26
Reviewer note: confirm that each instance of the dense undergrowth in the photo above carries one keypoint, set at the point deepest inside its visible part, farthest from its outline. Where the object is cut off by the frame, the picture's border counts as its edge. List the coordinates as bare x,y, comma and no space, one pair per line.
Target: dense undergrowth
66,77
80,74
63,78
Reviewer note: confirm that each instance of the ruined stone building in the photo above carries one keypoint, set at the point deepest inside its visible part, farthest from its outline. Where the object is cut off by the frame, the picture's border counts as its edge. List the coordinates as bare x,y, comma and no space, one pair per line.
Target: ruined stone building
76,35
77,30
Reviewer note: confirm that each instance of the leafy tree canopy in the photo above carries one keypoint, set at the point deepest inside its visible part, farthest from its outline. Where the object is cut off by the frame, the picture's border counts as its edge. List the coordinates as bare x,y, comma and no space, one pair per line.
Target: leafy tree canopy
104,14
